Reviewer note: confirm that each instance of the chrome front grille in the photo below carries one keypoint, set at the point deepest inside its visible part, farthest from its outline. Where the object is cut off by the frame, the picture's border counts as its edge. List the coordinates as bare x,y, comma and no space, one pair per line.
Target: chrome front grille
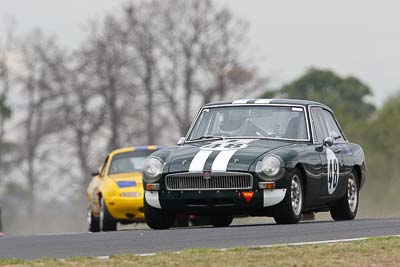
223,181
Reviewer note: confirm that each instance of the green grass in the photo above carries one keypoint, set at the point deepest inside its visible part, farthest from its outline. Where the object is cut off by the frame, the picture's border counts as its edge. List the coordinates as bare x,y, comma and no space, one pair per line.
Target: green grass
383,251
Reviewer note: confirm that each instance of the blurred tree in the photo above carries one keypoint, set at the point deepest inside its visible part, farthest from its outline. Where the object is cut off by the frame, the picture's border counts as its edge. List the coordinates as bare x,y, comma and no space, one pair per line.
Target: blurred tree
105,60
84,115
39,119
5,147
6,47
379,138
5,111
201,57
141,23
383,133
347,96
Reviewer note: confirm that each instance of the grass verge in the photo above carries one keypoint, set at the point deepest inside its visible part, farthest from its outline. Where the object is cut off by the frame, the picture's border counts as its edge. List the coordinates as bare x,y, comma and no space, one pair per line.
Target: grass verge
384,251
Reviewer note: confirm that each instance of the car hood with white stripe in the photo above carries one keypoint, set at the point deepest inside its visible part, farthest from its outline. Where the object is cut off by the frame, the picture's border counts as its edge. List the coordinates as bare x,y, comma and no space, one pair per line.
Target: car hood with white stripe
220,156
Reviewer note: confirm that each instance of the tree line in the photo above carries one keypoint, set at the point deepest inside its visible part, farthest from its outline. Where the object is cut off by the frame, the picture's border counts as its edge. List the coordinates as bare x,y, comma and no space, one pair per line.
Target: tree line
137,78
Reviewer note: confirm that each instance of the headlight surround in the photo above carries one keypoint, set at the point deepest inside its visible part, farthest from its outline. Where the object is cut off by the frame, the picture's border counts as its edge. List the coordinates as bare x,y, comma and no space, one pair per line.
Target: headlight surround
152,169
270,168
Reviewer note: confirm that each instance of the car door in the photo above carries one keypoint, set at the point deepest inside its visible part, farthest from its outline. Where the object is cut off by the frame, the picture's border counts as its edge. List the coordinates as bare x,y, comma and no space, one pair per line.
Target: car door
331,158
340,184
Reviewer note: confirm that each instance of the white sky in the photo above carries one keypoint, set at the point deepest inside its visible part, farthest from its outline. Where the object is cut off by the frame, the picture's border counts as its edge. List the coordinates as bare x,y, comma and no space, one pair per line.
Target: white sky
359,37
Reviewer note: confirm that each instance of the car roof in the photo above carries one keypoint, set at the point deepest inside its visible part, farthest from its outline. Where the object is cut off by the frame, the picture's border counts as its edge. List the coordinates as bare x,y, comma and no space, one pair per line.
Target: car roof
135,148
256,101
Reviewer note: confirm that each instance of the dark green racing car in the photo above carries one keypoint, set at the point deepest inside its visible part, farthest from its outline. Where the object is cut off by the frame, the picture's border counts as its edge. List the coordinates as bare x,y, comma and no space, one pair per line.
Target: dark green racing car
263,157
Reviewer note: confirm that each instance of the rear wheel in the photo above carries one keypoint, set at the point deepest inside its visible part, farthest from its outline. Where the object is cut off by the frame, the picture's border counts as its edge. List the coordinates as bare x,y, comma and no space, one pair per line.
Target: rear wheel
221,221
289,210
346,208
94,222
158,219
107,222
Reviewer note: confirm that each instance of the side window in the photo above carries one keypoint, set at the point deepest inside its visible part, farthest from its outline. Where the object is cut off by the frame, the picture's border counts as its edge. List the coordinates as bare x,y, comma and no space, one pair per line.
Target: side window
320,130
104,167
333,128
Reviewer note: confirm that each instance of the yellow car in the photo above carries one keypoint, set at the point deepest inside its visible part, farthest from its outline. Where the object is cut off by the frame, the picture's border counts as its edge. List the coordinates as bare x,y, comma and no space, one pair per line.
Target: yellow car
116,191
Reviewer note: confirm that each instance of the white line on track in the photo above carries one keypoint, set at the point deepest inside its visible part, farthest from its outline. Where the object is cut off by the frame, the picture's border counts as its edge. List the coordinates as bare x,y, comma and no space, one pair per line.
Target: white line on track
103,257
292,244
147,254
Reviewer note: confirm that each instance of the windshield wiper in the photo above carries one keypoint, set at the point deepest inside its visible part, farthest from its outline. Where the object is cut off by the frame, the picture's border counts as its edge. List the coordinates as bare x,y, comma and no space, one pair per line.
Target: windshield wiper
204,137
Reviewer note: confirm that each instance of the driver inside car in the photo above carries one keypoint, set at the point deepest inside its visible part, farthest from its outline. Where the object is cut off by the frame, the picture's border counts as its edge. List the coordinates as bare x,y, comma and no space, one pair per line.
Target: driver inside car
236,123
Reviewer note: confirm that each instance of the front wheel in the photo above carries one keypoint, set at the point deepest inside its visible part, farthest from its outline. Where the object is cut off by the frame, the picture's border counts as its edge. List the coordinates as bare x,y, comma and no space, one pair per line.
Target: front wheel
158,219
346,207
107,222
289,210
221,221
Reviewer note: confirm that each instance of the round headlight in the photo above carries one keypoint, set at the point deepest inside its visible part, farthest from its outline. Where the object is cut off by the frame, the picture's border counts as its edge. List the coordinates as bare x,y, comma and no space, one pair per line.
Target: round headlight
152,169
270,166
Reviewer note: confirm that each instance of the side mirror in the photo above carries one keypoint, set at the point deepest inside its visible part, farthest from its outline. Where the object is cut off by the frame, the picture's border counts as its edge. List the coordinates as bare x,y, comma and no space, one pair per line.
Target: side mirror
95,173
328,141
181,141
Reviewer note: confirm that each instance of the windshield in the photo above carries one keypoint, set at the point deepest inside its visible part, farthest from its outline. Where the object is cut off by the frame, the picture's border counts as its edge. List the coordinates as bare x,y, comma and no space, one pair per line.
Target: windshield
276,122
128,162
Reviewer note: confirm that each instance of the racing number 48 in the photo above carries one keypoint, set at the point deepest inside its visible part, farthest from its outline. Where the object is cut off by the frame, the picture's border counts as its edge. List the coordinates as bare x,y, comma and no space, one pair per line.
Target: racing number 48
333,174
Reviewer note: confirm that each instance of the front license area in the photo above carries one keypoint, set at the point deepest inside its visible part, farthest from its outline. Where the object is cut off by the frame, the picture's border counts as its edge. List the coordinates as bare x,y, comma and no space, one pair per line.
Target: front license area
208,202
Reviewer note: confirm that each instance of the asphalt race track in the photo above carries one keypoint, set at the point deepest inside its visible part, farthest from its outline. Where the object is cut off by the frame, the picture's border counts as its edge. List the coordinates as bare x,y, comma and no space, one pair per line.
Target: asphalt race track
150,241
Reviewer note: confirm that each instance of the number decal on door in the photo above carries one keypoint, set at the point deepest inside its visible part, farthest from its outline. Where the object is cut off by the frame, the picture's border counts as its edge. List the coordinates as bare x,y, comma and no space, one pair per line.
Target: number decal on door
333,171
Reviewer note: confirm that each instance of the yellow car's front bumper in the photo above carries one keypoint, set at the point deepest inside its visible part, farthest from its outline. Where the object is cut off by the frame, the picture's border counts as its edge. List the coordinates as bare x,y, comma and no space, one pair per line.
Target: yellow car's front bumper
127,208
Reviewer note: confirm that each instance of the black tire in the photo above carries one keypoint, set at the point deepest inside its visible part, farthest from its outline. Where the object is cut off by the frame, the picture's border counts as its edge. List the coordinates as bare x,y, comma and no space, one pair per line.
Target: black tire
221,221
181,220
285,212
107,222
158,219
94,223
346,208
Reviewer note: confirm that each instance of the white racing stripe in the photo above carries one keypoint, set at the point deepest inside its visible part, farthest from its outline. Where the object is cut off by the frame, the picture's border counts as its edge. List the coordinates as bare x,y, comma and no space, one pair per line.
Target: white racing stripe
197,164
241,101
220,163
263,101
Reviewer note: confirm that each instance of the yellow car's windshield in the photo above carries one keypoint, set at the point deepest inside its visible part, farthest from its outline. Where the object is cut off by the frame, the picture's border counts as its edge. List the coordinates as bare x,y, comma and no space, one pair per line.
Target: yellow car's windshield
128,162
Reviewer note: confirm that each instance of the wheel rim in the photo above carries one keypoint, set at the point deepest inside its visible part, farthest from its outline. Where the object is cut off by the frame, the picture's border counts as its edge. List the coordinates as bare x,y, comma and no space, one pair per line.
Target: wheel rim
296,195
352,196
